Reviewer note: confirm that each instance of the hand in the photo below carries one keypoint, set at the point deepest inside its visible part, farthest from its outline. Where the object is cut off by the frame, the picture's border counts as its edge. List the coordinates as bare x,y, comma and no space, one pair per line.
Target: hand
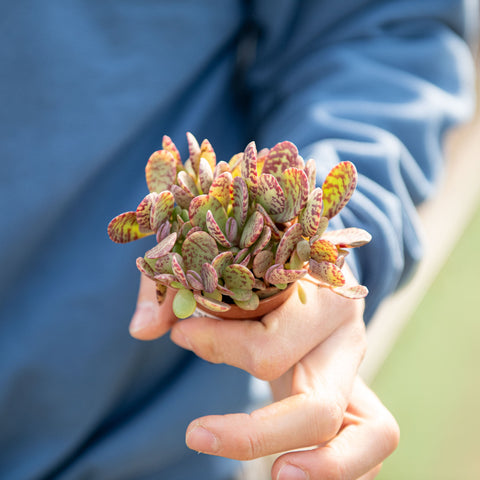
311,354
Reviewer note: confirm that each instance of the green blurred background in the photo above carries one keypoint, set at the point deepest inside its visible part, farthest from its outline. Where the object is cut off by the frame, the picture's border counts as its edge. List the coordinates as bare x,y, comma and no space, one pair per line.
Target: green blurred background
430,381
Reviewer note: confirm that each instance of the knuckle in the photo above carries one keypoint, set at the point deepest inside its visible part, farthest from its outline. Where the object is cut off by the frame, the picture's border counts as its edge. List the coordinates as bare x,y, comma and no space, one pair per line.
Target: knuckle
267,360
329,417
333,467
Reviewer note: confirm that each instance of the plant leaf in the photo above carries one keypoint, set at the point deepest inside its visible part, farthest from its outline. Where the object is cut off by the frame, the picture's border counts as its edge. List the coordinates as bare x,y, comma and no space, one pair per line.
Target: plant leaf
162,209
303,250
207,152
238,276
184,303
327,272
165,279
179,272
145,268
164,247
160,171
268,220
311,173
197,249
240,201
323,251
252,230
231,230
209,278
194,152
221,167
278,275
348,237
124,228
199,207
250,304
263,240
262,262
164,263
281,157
310,216
211,304
270,194
294,184
288,243
187,183
352,291
221,261
205,175
194,279
215,231
249,169
182,197
167,144
143,212
220,188
338,187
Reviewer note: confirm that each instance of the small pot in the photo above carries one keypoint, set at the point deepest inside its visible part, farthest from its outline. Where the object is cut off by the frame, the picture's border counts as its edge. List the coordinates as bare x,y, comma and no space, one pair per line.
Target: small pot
266,305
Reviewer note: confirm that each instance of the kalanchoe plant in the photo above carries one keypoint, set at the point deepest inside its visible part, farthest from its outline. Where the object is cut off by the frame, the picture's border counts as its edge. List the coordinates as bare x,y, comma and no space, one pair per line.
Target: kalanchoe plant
238,232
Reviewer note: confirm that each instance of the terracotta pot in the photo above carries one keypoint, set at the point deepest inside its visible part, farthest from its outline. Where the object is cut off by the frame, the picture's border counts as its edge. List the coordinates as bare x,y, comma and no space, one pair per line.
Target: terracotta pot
266,305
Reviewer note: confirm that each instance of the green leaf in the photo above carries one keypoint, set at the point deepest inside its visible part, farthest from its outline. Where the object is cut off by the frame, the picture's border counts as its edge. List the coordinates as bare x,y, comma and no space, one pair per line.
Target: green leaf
199,207
215,231
270,194
197,249
124,228
261,262
194,279
145,268
249,169
221,261
184,303
262,241
312,213
164,247
303,250
281,157
178,271
143,212
294,184
240,200
268,221
338,187
238,276
209,278
211,304
251,304
302,294
252,230
162,209
288,243
160,171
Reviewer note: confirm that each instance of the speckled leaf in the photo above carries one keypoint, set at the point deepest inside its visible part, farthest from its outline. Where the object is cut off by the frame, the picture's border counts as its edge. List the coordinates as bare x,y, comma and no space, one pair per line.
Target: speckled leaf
220,188
238,276
162,209
164,247
205,175
270,195
124,228
163,231
186,183
327,272
160,171
231,230
184,303
262,262
295,262
241,255
165,279
241,295
322,226
182,197
209,277
281,275
164,263
311,173
259,284
340,261
338,187
240,200
252,230
215,231
207,152
168,144
234,164
199,207
179,272
192,229
310,216
348,237
323,251
249,169
224,290
197,249
145,268
221,261
221,167
262,241
143,212
268,221
211,304
251,304
246,260
303,250
282,156
352,292
288,243
194,279
294,184
194,152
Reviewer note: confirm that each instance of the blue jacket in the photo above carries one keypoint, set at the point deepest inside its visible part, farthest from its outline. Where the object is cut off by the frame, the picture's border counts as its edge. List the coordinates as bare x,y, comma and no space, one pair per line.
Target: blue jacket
87,90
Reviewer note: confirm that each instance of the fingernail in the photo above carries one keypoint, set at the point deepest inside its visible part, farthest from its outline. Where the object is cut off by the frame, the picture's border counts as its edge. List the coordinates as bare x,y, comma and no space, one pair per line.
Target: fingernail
202,440
143,316
178,337
291,472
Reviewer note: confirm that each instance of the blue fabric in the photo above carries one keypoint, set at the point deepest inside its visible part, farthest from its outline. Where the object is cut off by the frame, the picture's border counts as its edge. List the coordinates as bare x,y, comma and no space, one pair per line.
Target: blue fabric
87,90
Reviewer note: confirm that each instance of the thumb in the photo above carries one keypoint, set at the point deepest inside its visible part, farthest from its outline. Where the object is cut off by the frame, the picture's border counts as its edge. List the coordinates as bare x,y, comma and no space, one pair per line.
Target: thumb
151,320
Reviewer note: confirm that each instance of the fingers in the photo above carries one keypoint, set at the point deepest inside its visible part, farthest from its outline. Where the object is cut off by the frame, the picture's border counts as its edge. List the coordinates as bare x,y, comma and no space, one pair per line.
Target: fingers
368,436
315,396
267,349
150,319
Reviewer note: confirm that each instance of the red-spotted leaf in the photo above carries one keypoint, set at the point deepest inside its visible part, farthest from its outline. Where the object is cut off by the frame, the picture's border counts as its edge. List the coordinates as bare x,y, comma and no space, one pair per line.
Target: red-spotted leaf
249,169
215,231
194,279
311,173
209,277
164,264
270,195
179,272
338,187
241,255
205,175
225,291
220,188
187,183
162,209
211,304
199,207
238,277
281,157
281,275
323,251
124,228
182,197
240,200
250,304
294,184
322,226
252,230
327,272
246,260
192,229
262,241
160,171
194,152
241,294
352,292
143,212
288,243
163,231
164,247
165,279
269,222
235,161
310,216
197,249
303,250
348,237
221,167
231,230
221,261
168,144
207,152
262,262
145,268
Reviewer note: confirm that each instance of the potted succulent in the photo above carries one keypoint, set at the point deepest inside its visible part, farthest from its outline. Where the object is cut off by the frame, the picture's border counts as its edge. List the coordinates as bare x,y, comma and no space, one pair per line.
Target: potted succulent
232,236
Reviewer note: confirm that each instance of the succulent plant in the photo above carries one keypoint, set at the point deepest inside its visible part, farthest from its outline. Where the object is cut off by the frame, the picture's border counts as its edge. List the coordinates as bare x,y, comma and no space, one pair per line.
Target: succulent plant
238,232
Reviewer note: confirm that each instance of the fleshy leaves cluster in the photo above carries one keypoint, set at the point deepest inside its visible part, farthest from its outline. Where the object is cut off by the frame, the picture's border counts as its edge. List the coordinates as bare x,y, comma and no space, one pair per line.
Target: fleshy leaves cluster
239,231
